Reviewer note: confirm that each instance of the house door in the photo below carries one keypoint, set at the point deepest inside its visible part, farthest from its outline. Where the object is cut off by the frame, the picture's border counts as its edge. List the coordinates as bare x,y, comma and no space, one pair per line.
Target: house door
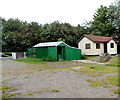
60,52
105,47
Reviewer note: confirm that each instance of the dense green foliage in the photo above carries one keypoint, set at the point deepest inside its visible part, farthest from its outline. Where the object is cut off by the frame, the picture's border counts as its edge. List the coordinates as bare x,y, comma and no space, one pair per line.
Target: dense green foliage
19,35
106,21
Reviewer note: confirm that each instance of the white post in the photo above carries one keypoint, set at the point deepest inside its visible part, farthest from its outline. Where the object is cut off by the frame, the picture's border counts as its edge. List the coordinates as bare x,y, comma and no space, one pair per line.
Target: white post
0,55
24,54
14,55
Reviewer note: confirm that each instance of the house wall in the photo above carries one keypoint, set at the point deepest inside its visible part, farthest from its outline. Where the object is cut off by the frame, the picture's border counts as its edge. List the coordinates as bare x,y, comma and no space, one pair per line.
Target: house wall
112,50
93,50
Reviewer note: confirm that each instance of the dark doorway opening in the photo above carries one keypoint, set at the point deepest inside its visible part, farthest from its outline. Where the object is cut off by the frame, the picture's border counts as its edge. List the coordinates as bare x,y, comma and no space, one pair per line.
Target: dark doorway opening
105,47
60,52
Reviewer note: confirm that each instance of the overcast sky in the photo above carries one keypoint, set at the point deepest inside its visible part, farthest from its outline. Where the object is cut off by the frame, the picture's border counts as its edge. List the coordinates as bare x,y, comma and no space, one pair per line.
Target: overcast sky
46,11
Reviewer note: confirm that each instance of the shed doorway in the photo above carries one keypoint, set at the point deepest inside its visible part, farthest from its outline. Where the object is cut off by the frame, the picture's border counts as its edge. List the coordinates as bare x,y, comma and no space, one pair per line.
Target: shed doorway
105,47
60,52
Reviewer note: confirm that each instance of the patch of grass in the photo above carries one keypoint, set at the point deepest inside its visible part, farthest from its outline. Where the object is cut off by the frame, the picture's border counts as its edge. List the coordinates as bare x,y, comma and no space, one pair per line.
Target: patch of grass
8,95
97,68
107,86
12,94
38,92
97,83
36,60
29,72
26,94
30,94
54,90
113,79
49,59
4,87
96,74
30,60
107,82
86,56
116,91
13,90
114,61
89,80
81,74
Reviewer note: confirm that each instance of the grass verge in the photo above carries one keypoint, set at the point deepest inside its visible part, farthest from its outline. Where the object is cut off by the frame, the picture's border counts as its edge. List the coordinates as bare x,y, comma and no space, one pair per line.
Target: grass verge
97,68
114,61
36,60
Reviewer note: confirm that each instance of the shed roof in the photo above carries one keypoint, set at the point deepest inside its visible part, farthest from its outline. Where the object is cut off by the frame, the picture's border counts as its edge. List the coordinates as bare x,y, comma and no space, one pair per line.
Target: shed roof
50,44
47,44
95,38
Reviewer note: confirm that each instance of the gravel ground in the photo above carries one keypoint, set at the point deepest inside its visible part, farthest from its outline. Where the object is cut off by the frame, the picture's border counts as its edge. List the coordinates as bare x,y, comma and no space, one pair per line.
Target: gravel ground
26,79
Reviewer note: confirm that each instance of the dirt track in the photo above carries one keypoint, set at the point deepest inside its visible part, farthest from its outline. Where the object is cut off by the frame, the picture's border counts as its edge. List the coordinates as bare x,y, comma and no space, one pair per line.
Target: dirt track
32,82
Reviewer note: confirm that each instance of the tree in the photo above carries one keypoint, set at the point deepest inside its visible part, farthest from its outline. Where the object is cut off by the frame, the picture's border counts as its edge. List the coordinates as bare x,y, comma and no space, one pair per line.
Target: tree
106,20
12,25
103,22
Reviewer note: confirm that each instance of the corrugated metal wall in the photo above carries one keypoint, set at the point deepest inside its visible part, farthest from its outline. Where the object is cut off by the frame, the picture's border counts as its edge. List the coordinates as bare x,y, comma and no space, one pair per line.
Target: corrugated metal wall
72,54
66,53
42,52
52,52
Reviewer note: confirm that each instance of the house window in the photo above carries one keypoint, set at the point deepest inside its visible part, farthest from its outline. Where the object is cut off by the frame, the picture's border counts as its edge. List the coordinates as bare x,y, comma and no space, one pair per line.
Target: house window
97,45
87,46
112,45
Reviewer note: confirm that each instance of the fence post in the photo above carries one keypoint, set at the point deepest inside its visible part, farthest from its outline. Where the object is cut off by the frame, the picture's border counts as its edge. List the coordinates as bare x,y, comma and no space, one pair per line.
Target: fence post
0,55
14,55
24,54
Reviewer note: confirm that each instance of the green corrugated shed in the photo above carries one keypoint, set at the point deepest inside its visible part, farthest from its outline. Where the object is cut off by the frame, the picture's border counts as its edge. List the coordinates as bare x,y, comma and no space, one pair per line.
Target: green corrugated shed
57,50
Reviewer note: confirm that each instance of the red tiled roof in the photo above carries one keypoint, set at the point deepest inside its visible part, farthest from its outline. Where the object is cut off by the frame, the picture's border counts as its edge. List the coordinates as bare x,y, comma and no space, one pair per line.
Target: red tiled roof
98,38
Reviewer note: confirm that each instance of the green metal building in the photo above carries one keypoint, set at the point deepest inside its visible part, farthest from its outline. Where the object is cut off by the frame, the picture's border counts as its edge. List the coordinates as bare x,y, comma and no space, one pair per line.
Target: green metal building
57,50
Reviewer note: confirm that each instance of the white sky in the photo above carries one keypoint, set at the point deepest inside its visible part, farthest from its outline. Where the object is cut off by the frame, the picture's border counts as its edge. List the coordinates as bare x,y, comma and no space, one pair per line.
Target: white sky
46,11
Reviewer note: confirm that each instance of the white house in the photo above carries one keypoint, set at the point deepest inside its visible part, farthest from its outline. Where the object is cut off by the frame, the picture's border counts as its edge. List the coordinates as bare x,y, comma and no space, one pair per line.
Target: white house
96,45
